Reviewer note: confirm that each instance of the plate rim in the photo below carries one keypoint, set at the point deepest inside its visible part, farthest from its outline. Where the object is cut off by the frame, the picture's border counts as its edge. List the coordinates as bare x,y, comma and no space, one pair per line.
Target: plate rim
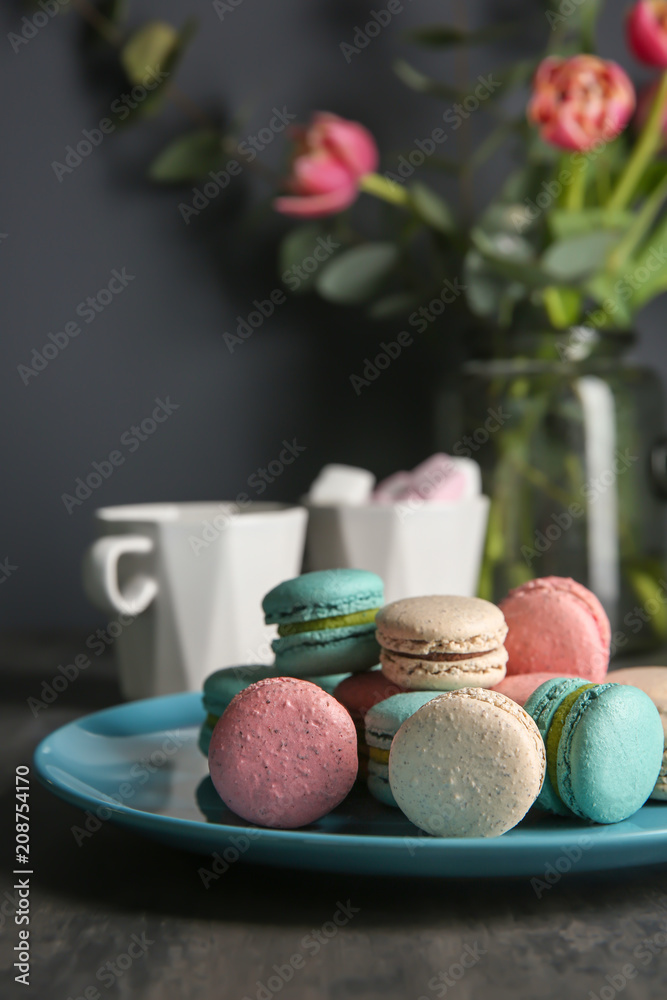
509,845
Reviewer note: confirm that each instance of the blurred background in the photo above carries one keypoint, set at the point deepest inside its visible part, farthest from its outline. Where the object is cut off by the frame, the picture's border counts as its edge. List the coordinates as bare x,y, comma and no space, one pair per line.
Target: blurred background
160,334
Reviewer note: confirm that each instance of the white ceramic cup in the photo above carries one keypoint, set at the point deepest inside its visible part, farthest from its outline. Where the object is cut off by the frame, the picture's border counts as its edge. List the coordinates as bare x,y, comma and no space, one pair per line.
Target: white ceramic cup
425,548
184,583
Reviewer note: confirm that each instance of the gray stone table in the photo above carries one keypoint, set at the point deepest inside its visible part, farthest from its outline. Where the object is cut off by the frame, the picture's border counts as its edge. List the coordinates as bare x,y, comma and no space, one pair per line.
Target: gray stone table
122,917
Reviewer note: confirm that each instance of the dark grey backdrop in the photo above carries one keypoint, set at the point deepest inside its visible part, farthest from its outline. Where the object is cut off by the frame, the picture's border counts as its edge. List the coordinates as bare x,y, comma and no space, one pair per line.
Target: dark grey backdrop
162,336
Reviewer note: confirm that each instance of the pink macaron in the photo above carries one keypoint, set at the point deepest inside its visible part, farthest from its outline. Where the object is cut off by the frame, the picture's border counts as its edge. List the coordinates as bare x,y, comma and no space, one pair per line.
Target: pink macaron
361,692
519,687
556,625
283,754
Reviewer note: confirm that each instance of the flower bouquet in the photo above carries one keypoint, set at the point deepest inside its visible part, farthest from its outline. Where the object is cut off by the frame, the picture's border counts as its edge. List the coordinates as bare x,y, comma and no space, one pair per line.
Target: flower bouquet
552,273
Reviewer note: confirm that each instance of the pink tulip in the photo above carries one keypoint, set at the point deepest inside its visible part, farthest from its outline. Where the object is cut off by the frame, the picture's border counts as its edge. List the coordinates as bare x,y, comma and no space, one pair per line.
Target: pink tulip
332,155
580,101
647,32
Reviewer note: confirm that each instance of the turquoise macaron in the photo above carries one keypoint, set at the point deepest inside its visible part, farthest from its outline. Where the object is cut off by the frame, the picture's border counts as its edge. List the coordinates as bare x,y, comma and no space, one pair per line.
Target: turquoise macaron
326,622
604,746
382,722
223,685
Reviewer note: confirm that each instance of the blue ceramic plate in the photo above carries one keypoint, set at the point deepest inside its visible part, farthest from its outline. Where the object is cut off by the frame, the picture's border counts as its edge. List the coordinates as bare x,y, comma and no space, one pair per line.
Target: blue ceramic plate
138,765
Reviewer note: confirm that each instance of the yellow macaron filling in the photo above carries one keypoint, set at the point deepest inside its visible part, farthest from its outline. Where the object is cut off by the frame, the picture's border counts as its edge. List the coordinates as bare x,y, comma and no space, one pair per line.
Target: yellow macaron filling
556,731
381,756
337,621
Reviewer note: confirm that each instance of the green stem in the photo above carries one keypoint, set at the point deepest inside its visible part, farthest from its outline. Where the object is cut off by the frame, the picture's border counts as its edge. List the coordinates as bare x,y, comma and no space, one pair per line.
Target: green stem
648,143
382,187
573,199
643,222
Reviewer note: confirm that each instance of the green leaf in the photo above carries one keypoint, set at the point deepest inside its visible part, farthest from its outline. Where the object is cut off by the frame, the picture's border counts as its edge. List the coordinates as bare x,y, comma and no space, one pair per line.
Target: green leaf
423,84
188,158
300,243
432,209
394,305
504,218
564,224
652,177
511,257
148,49
602,288
652,259
357,274
563,306
447,35
574,259
488,292
165,73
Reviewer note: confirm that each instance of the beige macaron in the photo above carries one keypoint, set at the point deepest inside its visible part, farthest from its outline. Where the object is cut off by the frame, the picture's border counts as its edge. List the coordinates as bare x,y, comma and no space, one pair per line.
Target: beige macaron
470,763
440,643
653,682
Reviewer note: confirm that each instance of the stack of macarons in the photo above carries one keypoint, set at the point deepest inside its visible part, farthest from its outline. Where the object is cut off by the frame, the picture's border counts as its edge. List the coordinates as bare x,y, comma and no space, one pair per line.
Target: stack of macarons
326,631
326,621
440,643
476,712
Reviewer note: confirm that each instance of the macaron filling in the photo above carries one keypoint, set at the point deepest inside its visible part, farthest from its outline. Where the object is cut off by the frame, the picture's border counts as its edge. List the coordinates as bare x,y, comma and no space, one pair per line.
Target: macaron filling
335,621
441,657
555,732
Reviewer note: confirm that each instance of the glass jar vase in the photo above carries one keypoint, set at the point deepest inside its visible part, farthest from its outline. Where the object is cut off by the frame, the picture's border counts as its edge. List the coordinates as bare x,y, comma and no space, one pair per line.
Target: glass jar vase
568,435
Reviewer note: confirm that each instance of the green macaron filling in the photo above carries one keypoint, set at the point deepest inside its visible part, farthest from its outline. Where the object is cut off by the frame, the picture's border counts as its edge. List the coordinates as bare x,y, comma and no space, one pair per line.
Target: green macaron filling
337,621
552,741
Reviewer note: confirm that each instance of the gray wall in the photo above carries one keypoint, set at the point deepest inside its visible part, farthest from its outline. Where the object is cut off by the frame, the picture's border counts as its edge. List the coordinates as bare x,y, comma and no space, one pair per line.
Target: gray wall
162,335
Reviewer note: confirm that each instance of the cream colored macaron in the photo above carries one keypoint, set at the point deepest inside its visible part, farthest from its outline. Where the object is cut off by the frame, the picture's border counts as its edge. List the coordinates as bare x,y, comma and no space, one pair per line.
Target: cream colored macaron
468,764
653,682
440,643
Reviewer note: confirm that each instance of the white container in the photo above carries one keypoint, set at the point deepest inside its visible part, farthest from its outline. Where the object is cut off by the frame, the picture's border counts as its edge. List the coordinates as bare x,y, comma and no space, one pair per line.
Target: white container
184,585
427,548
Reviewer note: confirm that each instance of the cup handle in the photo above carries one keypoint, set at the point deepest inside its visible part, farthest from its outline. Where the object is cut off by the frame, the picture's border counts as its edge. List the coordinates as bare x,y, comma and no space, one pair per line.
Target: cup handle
100,575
